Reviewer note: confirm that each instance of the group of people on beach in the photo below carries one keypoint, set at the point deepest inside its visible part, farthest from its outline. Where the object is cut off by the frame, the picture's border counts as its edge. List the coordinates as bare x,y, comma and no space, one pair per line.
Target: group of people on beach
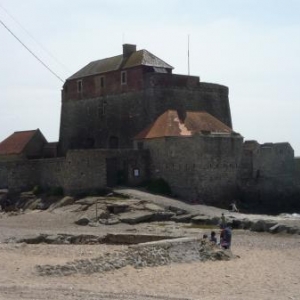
225,235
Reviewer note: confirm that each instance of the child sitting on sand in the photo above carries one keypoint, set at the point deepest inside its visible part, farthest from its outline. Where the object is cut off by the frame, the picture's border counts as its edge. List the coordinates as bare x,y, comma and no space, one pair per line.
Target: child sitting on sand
213,238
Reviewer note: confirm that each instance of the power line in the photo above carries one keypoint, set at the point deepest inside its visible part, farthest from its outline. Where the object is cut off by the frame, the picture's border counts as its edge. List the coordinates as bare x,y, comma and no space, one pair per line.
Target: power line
35,56
34,39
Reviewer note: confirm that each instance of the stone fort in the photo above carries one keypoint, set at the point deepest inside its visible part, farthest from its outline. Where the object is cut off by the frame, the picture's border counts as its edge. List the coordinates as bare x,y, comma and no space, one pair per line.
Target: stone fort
128,119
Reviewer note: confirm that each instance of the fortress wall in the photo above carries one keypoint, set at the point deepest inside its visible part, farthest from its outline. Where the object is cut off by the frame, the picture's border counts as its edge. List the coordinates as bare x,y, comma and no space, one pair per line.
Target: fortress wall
132,164
84,171
3,174
297,170
25,174
274,160
80,171
100,118
89,123
271,185
198,168
267,160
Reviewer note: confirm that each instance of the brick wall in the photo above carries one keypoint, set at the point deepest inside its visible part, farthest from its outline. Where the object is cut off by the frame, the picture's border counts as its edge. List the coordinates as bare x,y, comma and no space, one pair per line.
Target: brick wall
91,85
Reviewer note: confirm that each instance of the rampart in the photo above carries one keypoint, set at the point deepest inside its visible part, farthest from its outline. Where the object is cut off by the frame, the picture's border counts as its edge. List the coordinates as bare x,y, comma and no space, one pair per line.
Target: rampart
79,171
199,168
268,177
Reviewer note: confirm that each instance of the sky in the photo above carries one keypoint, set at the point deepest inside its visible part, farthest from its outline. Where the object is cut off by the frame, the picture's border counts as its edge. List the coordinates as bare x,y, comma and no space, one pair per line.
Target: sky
251,46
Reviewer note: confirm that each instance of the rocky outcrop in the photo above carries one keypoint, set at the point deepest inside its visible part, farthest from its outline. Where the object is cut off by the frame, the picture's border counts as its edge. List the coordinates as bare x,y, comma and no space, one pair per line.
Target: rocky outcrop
142,255
113,209
135,217
63,202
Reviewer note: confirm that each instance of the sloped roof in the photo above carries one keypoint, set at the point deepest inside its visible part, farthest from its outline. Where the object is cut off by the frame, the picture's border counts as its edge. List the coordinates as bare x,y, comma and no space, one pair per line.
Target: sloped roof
16,143
170,124
137,58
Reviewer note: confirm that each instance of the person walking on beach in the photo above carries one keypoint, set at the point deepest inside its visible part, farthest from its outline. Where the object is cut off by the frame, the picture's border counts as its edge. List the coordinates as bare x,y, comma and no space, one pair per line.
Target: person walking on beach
233,207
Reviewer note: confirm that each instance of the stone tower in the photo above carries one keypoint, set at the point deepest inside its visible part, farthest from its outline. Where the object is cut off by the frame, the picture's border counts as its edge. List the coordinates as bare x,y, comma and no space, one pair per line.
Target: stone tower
109,101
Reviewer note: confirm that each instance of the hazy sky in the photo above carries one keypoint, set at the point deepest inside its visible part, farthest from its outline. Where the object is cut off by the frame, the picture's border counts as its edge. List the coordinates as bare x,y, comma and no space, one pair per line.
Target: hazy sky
251,46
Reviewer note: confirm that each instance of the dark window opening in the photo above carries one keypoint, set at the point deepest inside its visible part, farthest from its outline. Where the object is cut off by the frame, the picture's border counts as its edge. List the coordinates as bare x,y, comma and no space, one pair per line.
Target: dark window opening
104,103
123,77
79,86
101,109
102,81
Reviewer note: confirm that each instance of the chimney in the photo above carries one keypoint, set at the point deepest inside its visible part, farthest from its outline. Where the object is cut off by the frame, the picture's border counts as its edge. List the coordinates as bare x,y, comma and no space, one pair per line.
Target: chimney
128,49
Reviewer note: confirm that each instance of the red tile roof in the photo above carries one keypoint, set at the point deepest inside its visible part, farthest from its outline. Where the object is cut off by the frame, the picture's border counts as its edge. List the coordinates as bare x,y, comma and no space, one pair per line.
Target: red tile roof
16,142
170,124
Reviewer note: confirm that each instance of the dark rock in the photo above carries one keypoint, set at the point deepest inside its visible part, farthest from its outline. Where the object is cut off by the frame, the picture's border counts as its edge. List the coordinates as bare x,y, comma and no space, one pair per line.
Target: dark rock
41,238
205,220
274,229
117,207
282,228
109,221
83,221
162,216
33,204
215,220
27,195
237,224
94,215
153,207
246,223
183,218
178,211
89,200
63,202
135,217
259,226
293,230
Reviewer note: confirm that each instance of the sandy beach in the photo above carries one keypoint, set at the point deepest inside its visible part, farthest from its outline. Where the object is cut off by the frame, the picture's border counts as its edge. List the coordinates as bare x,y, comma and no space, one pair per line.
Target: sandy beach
267,266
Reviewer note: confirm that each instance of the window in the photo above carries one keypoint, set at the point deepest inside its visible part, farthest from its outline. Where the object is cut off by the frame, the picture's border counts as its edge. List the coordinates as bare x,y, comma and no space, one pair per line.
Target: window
99,83
102,108
104,103
102,81
123,77
79,86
